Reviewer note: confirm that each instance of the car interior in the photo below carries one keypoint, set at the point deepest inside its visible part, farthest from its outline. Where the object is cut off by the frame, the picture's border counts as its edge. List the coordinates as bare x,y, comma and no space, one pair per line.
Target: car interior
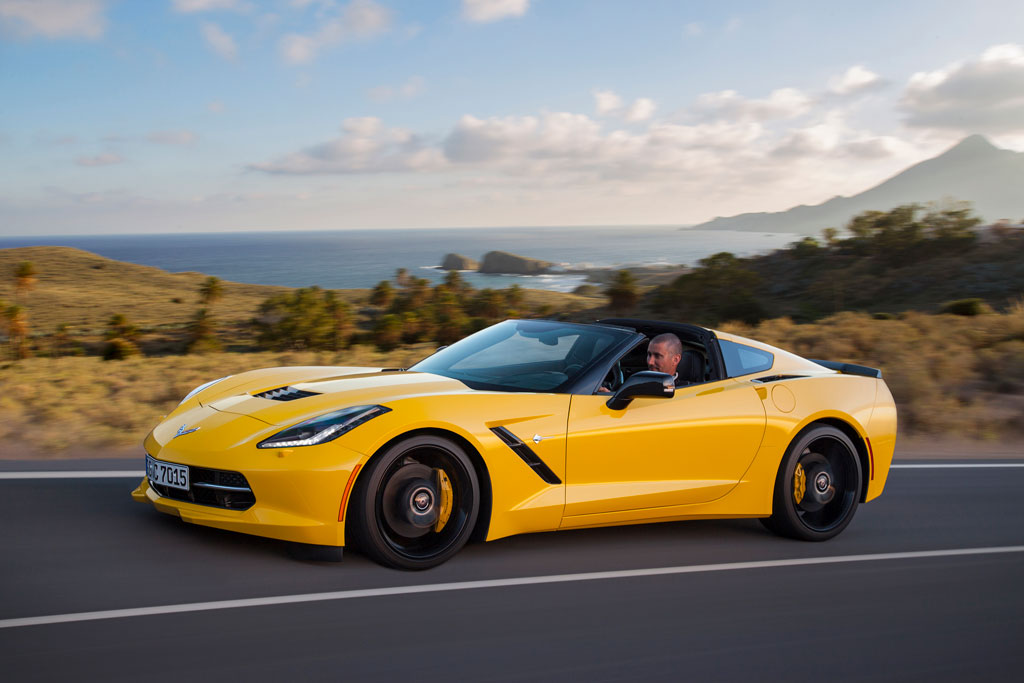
695,367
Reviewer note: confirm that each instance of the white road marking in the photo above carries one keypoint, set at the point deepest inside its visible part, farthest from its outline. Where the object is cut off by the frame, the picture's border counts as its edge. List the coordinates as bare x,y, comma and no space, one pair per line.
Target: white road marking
110,474
956,465
97,474
493,583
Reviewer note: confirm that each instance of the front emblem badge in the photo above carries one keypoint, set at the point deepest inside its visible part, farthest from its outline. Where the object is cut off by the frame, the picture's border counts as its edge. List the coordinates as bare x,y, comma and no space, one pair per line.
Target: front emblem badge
184,430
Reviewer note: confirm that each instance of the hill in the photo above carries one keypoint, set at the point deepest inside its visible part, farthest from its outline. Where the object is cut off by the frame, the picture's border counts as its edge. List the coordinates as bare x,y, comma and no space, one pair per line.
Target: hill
893,261
974,170
83,290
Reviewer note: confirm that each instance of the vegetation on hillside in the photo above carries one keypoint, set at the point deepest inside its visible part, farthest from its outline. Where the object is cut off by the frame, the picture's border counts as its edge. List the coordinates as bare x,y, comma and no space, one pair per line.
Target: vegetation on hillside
904,259
956,365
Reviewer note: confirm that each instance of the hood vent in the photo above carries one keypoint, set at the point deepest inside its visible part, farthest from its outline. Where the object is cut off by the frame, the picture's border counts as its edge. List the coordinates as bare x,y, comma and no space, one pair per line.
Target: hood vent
285,394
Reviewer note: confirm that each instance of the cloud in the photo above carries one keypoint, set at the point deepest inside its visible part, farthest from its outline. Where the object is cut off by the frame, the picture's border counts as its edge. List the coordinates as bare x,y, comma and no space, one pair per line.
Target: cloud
192,6
563,142
413,87
494,139
365,146
856,79
784,103
54,18
557,147
983,95
641,110
606,102
219,41
359,20
108,159
215,106
172,137
485,11
694,29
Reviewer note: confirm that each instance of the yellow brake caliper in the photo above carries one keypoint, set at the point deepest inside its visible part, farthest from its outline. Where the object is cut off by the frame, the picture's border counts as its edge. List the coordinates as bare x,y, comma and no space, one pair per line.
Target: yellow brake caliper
799,483
444,490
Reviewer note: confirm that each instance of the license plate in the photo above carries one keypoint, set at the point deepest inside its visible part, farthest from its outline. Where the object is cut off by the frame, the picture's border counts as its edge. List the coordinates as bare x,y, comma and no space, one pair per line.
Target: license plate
167,473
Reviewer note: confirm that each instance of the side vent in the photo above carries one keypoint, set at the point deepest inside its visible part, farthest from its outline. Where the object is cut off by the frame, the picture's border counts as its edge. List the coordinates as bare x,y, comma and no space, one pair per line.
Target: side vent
849,368
285,394
527,455
775,378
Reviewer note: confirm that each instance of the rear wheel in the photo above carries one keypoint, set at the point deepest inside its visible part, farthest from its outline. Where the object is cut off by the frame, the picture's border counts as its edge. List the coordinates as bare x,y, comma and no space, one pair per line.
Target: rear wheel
818,486
416,505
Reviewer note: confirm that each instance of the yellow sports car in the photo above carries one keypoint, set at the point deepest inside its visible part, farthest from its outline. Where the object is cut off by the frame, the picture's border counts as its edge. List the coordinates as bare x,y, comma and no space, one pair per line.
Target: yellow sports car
527,425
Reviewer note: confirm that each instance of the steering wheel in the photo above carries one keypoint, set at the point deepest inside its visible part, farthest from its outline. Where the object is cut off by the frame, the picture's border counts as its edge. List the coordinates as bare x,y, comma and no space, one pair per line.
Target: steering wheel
614,379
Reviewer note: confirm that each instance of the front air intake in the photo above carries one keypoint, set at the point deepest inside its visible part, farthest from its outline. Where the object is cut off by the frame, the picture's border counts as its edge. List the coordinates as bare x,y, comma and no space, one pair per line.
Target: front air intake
285,394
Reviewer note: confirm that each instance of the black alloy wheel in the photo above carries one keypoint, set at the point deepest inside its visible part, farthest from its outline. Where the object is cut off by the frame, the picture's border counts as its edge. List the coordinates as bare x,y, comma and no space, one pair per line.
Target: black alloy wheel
818,486
416,505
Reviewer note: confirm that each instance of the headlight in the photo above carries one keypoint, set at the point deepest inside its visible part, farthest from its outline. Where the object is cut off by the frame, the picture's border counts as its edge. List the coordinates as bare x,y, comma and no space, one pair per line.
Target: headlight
324,428
200,388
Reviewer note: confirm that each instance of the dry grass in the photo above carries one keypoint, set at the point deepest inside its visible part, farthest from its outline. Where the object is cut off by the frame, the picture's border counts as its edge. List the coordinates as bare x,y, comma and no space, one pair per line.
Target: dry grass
949,374
84,290
52,405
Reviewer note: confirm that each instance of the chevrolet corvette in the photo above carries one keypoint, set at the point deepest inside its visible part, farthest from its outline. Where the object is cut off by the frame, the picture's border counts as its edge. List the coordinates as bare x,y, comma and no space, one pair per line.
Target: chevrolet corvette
527,425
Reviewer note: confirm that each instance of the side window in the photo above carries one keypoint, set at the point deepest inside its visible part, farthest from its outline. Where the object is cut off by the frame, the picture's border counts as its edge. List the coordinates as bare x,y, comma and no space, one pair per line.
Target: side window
744,360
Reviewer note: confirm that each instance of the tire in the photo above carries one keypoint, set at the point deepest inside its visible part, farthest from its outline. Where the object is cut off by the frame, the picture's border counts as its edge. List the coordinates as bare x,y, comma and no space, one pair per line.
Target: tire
831,486
398,511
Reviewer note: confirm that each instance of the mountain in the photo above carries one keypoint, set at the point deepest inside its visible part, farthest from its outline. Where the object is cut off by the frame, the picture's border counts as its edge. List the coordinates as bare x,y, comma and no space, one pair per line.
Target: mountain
975,170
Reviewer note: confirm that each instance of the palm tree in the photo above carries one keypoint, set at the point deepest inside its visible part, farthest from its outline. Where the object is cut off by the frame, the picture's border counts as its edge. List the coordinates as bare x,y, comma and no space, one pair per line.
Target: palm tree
202,333
210,291
24,276
17,330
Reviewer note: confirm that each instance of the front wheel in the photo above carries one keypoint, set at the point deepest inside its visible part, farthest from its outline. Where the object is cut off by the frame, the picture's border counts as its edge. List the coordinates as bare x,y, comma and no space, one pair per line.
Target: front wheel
818,486
417,503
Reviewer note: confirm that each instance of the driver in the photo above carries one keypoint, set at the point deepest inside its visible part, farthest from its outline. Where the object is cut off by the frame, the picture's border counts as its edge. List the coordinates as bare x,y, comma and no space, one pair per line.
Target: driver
664,353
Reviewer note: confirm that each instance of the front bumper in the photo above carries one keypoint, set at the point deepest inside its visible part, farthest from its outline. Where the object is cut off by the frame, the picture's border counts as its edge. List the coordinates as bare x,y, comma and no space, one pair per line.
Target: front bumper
297,493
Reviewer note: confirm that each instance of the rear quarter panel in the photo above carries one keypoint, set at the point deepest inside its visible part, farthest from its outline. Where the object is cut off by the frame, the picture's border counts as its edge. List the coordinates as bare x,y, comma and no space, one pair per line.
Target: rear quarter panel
791,405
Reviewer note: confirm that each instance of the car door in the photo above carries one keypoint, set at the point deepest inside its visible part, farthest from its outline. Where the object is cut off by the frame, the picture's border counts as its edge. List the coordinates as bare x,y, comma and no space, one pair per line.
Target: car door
659,452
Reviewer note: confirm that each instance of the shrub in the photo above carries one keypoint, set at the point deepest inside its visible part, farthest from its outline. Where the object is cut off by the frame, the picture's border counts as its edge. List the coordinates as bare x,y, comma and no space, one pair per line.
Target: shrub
387,332
120,349
966,307
623,294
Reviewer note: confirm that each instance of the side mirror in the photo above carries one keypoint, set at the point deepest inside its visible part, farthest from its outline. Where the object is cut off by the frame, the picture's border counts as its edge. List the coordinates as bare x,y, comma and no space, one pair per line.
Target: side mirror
646,384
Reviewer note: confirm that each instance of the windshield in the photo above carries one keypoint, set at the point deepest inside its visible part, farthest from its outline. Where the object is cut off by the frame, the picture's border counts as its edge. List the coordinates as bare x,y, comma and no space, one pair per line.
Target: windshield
523,355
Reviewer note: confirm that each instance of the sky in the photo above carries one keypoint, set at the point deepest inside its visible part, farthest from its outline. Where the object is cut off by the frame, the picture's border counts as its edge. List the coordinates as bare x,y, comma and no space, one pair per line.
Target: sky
158,116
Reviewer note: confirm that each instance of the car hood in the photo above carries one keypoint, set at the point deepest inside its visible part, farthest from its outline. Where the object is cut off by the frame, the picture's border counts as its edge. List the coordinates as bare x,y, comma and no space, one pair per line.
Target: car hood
331,392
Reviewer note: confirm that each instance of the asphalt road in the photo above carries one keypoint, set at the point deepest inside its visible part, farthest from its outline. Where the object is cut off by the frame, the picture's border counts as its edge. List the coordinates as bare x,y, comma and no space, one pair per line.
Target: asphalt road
69,546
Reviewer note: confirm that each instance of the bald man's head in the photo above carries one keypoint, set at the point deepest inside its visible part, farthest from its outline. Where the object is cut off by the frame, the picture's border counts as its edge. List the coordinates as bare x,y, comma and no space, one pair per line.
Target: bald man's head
664,352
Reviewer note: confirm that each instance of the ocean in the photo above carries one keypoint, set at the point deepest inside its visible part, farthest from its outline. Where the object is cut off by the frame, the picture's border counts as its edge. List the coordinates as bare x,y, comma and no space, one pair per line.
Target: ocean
348,259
